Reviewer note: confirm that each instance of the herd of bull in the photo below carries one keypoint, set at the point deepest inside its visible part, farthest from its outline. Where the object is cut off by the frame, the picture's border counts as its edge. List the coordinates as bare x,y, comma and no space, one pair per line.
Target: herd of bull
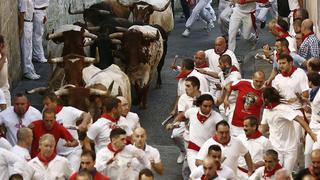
124,52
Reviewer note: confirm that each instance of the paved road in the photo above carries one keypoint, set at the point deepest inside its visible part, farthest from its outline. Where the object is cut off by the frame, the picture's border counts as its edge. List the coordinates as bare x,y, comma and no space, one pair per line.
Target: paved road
160,100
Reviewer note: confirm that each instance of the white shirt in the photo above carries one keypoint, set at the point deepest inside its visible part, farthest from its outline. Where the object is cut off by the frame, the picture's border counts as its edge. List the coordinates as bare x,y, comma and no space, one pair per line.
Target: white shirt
21,152
199,132
213,59
11,121
234,76
131,121
315,112
41,3
26,6
152,154
258,175
2,98
204,84
282,132
293,4
292,44
58,169
256,147
231,152
289,86
224,172
4,83
185,102
10,164
5,144
125,167
68,117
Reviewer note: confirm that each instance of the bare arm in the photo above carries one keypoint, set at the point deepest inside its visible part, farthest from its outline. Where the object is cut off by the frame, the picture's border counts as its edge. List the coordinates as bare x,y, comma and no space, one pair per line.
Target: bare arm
85,119
305,126
249,163
263,128
87,143
273,74
175,107
157,167
72,143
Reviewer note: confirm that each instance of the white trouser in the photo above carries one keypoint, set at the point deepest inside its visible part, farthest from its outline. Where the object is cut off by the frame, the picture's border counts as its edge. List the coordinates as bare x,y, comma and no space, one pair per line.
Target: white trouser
38,30
288,159
177,137
230,112
236,131
262,13
235,22
211,11
74,158
199,9
26,48
191,158
223,4
224,19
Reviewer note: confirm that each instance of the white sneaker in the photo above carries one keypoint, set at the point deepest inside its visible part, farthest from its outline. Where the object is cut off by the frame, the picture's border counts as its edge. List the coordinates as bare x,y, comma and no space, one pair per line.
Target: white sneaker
181,158
32,76
186,33
43,61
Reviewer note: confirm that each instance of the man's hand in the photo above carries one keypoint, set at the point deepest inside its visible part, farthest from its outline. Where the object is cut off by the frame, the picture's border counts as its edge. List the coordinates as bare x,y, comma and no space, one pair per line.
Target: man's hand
111,160
82,128
200,70
174,66
226,104
266,50
45,19
73,143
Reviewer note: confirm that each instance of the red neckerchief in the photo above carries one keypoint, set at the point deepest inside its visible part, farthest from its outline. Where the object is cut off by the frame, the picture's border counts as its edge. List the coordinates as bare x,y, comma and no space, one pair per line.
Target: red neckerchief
267,173
58,109
272,105
183,74
285,34
311,170
233,68
205,65
107,116
255,135
217,140
306,36
202,118
288,74
46,161
112,150
203,177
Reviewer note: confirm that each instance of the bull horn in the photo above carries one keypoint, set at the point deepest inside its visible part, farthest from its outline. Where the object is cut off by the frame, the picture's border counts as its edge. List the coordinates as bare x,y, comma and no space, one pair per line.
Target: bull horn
97,55
116,41
75,12
68,86
89,60
54,35
110,87
122,29
162,9
94,28
98,92
119,91
90,35
101,11
56,60
62,92
116,35
36,90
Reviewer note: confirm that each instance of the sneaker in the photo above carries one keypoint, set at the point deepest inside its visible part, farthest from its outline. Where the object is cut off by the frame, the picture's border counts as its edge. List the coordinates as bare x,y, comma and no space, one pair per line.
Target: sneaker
210,26
181,158
32,76
186,33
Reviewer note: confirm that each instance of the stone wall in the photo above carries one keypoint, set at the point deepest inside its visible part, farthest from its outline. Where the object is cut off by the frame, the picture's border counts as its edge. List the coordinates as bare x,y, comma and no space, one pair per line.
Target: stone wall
9,29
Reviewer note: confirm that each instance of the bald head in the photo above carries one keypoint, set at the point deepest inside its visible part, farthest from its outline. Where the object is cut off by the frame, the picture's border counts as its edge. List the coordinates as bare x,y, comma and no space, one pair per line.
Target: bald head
200,58
139,137
306,26
315,159
220,45
258,79
201,54
24,137
209,167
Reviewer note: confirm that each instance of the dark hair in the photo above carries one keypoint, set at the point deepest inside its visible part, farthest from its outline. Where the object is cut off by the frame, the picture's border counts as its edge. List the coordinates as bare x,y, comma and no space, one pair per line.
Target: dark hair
16,177
253,120
286,56
194,81
225,59
273,153
1,39
304,13
222,123
92,154
271,95
52,96
188,63
86,173
147,172
117,132
20,95
204,97
110,102
314,63
283,24
214,148
314,78
284,42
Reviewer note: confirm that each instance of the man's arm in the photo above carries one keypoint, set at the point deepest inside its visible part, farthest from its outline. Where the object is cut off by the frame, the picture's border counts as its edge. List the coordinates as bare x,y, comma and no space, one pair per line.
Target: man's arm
263,128
157,167
305,126
226,94
85,119
249,163
273,74
180,117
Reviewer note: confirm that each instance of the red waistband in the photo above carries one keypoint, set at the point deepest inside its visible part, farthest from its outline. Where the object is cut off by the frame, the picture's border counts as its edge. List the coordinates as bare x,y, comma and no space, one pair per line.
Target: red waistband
193,146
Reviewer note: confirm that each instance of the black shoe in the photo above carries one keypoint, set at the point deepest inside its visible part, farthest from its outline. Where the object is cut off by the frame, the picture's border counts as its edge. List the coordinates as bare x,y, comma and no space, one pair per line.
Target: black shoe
262,24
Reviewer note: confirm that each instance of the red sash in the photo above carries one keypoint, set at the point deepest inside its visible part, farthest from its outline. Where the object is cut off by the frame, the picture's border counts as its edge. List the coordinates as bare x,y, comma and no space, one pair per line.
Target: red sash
193,146
46,161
